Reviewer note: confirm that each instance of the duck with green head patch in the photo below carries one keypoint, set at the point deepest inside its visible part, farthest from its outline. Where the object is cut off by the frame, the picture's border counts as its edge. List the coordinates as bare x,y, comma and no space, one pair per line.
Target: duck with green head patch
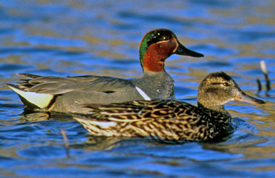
171,121
67,94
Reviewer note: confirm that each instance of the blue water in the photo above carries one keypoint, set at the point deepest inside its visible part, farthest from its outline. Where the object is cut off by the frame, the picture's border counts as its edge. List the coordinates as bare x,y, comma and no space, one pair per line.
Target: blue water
87,37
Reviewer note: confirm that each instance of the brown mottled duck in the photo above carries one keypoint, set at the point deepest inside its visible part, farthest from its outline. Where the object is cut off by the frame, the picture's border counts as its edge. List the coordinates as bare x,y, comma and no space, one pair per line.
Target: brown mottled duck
169,120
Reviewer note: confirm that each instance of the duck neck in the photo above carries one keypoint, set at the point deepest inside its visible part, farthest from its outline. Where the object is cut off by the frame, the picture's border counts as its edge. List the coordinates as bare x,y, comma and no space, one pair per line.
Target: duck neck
218,113
153,63
213,107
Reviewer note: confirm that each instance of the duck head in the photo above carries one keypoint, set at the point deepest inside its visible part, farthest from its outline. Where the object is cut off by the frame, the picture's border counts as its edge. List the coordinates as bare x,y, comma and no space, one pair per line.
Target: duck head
218,88
157,45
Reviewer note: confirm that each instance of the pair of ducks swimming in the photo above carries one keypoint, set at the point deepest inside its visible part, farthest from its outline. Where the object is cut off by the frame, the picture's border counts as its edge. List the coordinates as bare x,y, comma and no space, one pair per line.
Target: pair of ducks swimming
139,107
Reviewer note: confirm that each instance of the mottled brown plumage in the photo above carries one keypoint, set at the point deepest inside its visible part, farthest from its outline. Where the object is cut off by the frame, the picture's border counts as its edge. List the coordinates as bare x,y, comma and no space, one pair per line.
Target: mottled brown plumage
169,120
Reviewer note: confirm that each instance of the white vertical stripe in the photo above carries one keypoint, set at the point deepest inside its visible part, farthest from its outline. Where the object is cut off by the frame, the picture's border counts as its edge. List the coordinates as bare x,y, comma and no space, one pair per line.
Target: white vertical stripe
143,94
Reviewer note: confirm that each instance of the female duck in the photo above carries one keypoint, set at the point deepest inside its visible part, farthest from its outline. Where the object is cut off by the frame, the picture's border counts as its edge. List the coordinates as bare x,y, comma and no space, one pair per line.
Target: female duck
168,120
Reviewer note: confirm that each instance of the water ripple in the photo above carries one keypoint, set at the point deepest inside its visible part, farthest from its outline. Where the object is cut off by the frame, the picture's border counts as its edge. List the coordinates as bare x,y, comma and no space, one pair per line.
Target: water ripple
88,37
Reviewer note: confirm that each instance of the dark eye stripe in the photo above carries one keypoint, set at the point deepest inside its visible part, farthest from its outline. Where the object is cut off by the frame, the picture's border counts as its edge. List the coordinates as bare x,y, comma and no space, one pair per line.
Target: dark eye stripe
216,83
225,84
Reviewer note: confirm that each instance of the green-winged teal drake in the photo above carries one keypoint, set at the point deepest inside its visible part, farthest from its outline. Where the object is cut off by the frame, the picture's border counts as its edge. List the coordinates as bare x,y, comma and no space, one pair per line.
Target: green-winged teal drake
66,94
169,120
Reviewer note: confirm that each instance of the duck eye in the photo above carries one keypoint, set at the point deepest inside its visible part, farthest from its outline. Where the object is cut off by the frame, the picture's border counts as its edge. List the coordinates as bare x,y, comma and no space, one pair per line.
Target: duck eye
165,37
226,84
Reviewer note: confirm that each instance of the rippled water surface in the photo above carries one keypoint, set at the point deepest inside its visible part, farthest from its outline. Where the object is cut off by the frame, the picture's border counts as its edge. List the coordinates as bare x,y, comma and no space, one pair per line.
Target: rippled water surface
63,38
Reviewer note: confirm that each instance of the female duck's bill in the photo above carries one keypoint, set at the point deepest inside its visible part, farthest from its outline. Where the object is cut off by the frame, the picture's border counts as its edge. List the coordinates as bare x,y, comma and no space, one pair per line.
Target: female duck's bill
171,121
249,99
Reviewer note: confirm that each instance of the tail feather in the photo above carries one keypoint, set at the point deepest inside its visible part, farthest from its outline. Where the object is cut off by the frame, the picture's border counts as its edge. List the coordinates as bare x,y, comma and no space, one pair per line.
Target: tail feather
96,127
29,75
32,99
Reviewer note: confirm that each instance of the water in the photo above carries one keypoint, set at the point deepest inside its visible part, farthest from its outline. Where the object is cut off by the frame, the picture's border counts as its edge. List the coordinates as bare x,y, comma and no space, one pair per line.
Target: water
63,38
